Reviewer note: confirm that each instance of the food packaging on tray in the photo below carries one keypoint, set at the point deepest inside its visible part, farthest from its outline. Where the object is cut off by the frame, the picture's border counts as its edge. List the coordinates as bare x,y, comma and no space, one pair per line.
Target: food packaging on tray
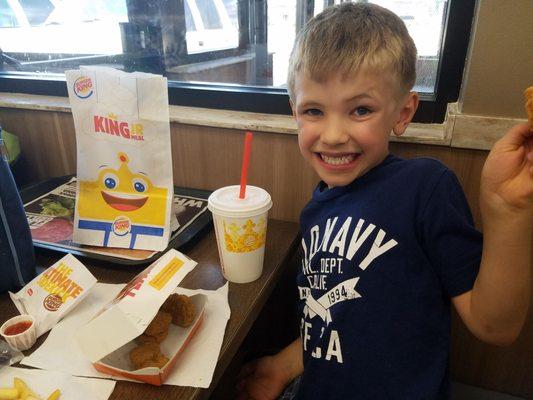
109,336
118,363
54,293
124,164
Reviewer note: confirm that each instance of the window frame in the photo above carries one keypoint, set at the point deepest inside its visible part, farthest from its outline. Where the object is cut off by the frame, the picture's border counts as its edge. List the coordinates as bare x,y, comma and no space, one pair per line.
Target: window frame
432,108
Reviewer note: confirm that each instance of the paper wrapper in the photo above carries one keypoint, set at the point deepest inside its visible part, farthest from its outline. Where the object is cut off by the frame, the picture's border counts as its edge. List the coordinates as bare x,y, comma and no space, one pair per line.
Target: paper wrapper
131,311
61,352
54,293
108,338
45,382
118,362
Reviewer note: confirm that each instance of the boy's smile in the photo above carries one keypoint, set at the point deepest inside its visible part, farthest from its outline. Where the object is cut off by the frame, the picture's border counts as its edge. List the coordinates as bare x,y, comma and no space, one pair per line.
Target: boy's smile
344,124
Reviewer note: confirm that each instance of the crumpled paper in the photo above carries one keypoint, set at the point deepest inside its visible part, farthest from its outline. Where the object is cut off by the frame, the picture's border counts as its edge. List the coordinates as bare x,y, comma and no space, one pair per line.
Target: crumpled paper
45,382
195,367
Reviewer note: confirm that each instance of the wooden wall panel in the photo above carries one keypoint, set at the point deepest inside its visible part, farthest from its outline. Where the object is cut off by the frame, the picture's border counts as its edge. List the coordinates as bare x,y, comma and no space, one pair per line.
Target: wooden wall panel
208,158
42,139
68,136
502,369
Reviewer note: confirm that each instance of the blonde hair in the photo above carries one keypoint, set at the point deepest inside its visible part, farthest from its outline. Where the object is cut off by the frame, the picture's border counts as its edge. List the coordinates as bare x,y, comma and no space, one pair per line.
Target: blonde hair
350,37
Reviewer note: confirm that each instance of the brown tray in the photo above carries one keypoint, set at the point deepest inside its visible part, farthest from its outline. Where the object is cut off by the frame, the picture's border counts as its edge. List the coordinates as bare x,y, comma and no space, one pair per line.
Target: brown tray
59,231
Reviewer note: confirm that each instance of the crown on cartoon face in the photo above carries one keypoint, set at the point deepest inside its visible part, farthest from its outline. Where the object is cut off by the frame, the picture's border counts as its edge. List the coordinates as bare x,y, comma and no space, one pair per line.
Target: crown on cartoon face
124,160
244,238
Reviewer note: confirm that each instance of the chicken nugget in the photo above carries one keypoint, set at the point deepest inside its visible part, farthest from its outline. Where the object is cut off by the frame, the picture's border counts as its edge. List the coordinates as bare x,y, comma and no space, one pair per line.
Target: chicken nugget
528,94
185,312
170,302
182,309
159,324
158,361
143,353
144,338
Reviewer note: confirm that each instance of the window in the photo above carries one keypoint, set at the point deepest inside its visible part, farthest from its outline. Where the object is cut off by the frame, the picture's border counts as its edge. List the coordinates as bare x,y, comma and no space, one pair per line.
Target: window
209,27
215,53
37,11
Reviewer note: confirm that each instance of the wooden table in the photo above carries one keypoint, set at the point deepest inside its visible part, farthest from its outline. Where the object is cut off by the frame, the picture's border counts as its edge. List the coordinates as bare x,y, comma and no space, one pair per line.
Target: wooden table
245,300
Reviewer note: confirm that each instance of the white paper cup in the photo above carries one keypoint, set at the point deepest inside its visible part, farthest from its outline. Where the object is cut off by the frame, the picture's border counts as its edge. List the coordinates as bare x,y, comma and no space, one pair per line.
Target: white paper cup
240,228
23,340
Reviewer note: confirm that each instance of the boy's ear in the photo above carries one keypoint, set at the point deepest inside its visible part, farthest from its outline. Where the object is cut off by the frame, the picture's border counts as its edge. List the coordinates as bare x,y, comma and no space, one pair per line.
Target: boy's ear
407,113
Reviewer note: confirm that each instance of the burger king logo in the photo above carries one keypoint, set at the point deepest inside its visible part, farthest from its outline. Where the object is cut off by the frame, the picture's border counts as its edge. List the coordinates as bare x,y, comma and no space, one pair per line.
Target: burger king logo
83,87
52,302
121,226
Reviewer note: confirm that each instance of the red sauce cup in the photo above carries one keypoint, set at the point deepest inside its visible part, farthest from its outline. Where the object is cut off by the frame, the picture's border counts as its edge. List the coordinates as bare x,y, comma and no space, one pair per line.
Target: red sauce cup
19,332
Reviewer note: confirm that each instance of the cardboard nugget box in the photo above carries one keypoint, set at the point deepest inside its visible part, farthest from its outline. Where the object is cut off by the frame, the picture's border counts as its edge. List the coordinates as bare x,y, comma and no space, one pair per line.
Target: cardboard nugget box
110,335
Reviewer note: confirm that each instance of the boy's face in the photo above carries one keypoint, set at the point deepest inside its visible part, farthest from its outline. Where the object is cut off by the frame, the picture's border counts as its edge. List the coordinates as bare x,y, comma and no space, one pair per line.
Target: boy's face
344,124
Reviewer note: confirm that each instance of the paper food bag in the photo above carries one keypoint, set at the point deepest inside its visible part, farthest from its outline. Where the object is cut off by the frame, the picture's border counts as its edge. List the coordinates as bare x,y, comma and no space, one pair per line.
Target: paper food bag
125,189
54,293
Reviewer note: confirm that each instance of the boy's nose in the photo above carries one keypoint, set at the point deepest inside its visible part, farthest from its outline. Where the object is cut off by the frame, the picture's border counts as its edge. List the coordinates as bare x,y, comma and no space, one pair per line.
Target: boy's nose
334,132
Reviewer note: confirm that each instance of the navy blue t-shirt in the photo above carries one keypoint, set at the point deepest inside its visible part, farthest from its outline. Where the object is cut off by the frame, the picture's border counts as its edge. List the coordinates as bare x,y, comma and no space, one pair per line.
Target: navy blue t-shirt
382,258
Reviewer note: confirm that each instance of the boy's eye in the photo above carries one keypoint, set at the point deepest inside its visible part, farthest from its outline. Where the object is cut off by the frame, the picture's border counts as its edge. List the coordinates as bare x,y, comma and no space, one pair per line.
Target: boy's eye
362,111
314,112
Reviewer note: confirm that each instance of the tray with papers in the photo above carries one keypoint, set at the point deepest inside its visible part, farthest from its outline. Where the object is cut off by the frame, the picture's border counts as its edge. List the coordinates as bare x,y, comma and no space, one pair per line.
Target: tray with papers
49,207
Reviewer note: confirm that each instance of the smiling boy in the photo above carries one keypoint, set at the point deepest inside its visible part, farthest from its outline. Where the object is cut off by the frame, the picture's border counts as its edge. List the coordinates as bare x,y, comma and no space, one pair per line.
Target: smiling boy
344,123
389,244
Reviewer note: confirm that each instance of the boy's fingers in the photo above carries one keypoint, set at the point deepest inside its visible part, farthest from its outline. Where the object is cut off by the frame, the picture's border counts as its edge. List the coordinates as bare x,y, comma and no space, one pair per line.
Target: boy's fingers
517,135
529,147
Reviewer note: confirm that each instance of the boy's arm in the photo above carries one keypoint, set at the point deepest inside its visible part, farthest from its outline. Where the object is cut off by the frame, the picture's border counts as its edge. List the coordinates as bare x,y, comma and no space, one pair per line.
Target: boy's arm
496,308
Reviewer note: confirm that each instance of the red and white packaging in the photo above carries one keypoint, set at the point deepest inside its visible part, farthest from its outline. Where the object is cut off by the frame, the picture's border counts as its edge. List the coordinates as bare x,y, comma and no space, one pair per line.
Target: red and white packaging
54,293
109,336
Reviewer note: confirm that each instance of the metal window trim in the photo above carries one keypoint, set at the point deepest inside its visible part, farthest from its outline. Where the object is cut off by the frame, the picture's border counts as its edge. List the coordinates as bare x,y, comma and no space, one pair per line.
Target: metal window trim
432,108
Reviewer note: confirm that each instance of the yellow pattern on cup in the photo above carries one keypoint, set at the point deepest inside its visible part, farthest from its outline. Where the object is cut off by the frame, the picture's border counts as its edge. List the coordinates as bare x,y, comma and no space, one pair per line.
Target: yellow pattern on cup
244,238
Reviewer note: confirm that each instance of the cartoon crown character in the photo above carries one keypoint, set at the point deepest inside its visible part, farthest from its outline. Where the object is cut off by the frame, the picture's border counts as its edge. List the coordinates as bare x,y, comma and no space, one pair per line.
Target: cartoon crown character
124,194
121,192
242,239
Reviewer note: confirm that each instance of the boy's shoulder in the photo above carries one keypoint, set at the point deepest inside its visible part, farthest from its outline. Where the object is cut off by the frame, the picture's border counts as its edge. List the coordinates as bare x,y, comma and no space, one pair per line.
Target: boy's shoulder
424,163
423,167
416,175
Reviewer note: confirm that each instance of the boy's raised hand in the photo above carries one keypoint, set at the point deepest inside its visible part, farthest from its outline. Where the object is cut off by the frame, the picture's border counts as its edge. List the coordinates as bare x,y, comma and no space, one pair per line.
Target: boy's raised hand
507,176
496,307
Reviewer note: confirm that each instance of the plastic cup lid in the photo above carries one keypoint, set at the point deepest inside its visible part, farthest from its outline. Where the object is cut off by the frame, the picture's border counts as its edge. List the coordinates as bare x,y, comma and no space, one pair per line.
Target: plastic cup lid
225,201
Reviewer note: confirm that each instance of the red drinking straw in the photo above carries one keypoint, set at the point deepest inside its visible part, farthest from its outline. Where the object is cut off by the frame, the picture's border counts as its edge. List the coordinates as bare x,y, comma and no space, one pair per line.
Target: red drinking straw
245,162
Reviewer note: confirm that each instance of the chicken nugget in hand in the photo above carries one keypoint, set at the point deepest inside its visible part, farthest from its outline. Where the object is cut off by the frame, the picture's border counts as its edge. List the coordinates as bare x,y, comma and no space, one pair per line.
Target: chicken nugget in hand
528,95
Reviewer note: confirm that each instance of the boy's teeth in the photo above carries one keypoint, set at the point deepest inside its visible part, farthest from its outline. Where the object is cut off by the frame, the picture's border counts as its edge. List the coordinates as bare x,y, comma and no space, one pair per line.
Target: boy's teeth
338,160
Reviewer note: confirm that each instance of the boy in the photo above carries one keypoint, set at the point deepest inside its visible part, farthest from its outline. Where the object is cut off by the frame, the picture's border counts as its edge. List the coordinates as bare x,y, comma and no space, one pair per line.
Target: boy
389,243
